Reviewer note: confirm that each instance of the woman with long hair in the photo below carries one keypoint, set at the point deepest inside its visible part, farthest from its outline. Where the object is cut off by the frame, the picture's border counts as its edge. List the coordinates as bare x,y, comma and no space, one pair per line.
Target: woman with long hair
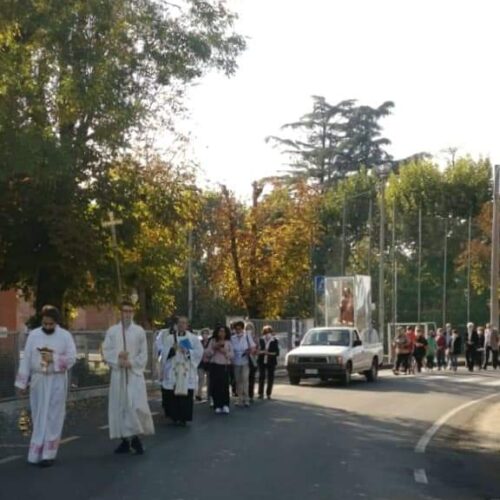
219,354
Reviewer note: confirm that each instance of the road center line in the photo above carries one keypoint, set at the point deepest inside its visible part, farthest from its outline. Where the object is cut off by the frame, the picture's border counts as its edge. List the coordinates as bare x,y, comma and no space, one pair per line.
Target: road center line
103,427
9,459
420,476
69,439
431,431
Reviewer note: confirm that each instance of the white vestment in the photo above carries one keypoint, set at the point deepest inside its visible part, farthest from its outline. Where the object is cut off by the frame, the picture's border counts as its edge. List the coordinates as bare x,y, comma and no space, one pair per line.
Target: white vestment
171,374
48,389
128,409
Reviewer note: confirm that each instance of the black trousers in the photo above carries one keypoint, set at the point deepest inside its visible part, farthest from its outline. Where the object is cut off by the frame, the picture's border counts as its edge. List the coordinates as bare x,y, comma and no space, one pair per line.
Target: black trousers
402,360
494,357
252,374
470,357
266,373
178,408
441,358
219,385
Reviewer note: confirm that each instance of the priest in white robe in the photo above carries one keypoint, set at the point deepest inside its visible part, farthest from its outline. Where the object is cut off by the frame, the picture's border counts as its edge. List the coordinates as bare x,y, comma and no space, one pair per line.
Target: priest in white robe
181,353
128,410
48,355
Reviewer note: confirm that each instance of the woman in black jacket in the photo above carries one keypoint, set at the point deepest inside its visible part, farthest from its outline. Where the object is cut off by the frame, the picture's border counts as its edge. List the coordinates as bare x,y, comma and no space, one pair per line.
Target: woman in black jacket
269,350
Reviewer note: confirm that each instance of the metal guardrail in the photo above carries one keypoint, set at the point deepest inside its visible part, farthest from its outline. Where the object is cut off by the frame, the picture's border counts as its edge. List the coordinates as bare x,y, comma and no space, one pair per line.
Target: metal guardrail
89,371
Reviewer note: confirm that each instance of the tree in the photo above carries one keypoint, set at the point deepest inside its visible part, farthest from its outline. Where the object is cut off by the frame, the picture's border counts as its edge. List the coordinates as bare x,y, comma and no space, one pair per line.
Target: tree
79,80
258,258
335,140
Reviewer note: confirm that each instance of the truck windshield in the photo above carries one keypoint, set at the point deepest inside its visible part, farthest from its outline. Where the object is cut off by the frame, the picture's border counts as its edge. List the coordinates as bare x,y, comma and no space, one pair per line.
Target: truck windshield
327,337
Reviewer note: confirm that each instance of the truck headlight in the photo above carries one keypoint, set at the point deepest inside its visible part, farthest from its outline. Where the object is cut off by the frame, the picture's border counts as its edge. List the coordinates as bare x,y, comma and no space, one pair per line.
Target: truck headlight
336,360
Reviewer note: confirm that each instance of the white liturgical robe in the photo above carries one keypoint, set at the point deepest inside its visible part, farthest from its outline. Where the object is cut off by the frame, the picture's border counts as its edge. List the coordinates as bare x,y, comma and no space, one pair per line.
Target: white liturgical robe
48,389
128,410
169,378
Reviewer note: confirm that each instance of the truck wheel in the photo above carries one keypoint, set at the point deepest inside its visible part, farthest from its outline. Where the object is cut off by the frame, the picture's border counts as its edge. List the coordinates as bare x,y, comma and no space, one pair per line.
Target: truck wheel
346,376
294,380
372,374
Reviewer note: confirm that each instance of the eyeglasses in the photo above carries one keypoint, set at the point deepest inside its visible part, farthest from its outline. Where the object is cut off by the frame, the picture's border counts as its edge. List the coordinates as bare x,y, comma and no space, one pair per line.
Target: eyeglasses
127,311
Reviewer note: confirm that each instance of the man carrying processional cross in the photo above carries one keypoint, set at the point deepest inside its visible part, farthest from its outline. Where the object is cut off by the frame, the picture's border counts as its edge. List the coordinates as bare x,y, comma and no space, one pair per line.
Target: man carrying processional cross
125,350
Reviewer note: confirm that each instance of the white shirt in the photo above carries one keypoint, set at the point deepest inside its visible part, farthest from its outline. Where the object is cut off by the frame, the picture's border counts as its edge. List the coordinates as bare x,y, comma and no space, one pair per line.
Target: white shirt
240,344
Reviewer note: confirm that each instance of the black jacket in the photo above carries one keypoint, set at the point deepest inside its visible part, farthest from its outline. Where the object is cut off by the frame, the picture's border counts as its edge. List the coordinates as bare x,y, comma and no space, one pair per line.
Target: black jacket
473,342
274,347
456,345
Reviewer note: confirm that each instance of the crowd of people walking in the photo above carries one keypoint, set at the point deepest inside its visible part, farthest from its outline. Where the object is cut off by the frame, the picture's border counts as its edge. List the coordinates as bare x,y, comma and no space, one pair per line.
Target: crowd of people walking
416,349
218,362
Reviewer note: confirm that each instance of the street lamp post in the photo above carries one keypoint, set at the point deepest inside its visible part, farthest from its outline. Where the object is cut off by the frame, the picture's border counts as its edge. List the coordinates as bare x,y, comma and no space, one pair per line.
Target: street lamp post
382,172
495,230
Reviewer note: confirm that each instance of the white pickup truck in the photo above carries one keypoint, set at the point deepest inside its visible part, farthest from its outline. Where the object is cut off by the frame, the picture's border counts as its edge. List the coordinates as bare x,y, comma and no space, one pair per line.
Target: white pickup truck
335,352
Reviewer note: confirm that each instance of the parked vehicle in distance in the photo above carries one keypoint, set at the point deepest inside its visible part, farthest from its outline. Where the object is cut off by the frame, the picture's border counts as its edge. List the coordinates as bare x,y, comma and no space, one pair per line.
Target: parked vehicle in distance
335,352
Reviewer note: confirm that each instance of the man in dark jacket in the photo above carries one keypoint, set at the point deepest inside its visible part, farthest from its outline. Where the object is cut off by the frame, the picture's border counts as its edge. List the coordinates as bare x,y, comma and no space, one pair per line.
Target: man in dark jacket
471,346
269,350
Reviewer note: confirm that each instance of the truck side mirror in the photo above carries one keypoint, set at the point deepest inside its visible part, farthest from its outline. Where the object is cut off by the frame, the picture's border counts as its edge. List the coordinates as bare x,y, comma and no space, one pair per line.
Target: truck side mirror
357,343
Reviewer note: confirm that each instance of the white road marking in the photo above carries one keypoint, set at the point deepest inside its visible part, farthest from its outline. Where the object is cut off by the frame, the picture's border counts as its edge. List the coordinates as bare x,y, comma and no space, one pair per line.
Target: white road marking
420,476
492,383
9,459
431,431
69,439
154,413
104,427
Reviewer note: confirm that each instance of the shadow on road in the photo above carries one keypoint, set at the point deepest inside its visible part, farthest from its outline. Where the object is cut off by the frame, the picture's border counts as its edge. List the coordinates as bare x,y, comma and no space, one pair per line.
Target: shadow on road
274,450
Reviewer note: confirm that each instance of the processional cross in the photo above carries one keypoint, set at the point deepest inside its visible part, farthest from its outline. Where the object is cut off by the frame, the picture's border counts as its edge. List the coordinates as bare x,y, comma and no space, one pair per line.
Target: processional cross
112,223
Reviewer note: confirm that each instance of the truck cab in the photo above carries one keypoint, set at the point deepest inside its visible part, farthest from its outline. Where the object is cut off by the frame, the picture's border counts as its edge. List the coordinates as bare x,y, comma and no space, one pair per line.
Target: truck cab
335,352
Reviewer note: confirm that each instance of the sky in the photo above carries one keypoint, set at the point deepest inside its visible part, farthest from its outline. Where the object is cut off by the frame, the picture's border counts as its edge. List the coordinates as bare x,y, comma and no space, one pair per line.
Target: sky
438,60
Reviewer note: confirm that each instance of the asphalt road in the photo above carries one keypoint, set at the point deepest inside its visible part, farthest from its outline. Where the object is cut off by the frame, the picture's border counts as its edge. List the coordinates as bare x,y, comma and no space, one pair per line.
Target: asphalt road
315,441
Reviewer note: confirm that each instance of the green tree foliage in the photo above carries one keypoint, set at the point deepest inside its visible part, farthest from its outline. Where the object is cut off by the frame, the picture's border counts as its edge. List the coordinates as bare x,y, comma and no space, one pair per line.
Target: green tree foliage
78,80
334,140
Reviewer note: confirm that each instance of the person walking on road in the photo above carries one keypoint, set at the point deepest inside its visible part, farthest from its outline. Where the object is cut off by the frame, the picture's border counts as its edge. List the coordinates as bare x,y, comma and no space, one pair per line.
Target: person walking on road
481,344
48,355
431,350
243,347
420,349
402,348
181,353
125,350
269,351
491,342
441,346
219,354
471,345
203,367
455,349
253,364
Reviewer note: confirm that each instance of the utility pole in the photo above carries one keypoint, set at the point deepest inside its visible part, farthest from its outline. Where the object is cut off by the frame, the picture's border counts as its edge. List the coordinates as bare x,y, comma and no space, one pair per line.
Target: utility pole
445,271
469,241
495,242
190,275
395,268
370,234
382,172
419,279
342,250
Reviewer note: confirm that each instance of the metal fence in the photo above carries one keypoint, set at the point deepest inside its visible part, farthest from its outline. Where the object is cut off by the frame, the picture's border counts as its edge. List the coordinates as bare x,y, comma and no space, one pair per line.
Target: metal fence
89,371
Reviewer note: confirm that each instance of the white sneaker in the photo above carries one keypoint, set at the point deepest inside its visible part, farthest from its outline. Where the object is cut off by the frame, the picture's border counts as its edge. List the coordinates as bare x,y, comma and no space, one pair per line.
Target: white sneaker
225,410
218,411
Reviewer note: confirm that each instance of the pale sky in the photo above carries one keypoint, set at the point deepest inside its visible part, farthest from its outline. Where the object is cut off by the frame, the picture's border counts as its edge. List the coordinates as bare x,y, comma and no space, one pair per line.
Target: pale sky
438,60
